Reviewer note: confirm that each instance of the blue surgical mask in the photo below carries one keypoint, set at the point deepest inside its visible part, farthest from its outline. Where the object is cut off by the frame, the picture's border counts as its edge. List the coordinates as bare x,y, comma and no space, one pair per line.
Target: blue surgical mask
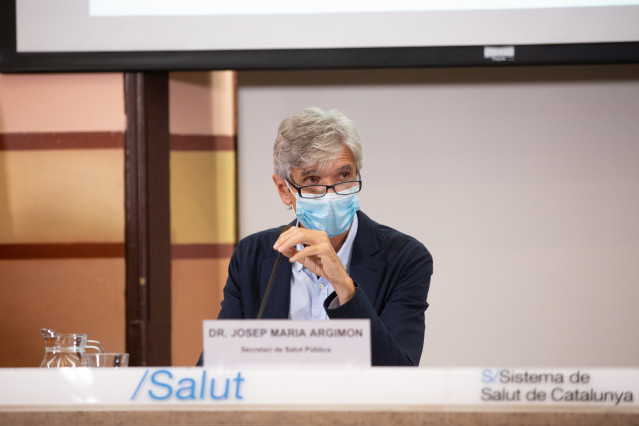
332,213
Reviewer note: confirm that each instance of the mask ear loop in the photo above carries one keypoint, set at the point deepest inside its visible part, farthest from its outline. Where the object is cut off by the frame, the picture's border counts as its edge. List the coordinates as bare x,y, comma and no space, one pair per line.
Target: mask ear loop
290,206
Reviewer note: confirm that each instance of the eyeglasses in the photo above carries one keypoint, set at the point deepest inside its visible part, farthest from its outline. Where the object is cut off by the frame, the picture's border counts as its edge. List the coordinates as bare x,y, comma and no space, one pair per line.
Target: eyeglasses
318,191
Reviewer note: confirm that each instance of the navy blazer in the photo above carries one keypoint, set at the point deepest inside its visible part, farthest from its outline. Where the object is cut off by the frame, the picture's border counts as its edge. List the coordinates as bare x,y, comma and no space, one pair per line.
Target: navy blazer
391,271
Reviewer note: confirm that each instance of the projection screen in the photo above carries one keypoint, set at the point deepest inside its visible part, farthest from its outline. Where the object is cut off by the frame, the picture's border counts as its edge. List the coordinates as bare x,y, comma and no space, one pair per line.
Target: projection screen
247,34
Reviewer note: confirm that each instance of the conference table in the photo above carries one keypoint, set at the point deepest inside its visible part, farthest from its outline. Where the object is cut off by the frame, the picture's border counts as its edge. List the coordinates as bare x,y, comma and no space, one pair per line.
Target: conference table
370,396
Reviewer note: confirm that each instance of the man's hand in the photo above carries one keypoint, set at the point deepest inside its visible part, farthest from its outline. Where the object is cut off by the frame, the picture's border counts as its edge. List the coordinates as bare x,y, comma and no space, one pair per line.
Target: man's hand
318,256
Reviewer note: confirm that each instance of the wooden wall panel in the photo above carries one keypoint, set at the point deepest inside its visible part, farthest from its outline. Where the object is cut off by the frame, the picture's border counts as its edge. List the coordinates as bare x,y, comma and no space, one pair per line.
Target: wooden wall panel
203,202
62,207
61,211
203,188
62,196
68,295
61,102
199,294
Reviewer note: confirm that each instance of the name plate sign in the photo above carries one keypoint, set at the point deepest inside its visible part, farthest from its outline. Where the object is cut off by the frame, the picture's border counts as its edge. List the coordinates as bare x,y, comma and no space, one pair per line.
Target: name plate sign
285,343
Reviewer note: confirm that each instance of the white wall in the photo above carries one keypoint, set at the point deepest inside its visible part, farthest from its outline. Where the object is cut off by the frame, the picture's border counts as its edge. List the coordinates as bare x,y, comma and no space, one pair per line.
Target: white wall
522,182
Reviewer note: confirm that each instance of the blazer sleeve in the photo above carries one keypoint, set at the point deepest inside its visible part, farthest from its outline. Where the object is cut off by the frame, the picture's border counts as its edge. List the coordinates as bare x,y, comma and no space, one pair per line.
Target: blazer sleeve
241,298
232,304
397,323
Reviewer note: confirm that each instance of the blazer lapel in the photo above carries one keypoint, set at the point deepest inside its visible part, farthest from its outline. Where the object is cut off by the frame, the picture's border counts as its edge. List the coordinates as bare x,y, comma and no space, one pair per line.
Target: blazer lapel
366,270
278,304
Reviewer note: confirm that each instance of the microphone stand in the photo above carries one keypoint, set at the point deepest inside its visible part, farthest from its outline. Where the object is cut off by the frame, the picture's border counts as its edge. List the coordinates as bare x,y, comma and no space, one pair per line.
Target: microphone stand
271,279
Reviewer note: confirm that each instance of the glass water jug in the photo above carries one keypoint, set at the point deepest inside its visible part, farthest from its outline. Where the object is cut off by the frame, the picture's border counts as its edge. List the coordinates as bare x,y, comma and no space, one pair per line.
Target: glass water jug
66,350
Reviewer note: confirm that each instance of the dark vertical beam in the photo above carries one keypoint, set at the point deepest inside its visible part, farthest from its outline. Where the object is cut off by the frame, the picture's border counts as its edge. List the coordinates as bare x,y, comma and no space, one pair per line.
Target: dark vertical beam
147,228
8,30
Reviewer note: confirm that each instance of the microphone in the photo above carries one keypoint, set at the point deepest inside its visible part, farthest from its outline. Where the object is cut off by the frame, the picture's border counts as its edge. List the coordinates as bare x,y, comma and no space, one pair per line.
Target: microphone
270,280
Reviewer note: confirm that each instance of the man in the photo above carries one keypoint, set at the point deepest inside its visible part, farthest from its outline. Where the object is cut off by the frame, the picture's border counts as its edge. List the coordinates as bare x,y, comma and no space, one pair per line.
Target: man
342,264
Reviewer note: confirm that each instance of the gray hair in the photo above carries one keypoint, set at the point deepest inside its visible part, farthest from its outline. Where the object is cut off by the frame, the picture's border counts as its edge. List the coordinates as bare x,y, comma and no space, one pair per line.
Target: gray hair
314,136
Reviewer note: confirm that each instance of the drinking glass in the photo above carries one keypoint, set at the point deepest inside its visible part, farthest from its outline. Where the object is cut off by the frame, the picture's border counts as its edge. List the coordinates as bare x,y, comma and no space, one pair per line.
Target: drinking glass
108,359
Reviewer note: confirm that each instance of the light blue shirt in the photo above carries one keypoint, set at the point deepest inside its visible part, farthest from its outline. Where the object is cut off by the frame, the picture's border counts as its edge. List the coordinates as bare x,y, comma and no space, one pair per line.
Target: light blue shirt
308,292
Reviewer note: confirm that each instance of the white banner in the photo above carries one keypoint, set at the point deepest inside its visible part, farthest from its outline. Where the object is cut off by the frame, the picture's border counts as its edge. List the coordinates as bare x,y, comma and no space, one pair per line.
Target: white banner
135,387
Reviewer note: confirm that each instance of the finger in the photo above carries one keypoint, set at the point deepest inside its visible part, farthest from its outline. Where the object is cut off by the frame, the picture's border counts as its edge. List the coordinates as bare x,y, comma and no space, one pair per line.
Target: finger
289,252
281,239
321,251
295,236
299,256
288,239
306,252
286,234
311,263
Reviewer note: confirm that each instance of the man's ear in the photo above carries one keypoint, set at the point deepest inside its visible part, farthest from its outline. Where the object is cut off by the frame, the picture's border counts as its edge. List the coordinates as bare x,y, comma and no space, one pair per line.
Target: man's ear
282,189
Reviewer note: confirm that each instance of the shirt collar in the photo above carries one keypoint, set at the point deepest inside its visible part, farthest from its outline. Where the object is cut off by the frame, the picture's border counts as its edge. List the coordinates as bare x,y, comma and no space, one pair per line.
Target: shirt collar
345,253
